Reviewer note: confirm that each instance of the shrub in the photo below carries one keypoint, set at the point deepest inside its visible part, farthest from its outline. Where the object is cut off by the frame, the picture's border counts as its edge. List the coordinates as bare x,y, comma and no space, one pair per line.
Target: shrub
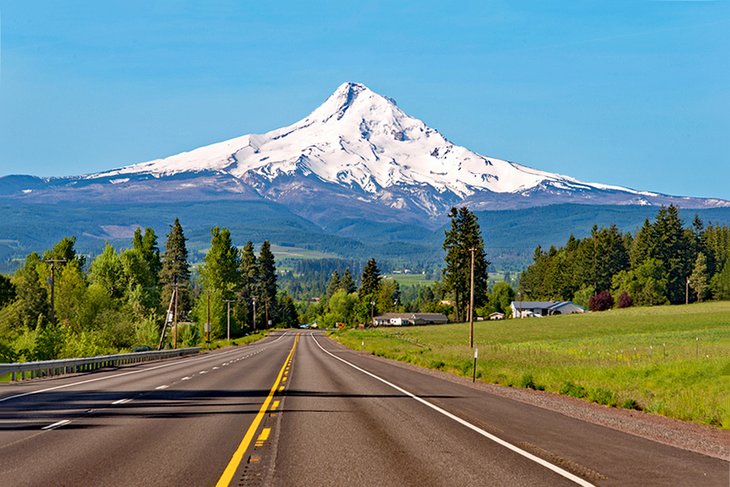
603,396
601,301
528,382
573,390
624,300
631,404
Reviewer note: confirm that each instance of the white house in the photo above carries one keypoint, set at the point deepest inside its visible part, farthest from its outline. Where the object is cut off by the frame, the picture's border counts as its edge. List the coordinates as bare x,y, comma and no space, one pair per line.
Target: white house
527,309
401,319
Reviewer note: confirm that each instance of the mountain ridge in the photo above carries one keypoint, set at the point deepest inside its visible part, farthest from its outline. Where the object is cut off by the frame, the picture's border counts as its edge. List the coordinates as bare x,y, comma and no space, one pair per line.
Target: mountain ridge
359,153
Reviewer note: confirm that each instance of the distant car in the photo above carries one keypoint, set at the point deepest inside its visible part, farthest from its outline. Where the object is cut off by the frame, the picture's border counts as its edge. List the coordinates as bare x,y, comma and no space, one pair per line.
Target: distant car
304,325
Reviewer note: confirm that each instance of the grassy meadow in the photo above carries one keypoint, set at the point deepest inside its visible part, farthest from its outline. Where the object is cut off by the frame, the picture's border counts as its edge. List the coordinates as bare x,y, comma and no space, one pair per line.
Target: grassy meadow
670,360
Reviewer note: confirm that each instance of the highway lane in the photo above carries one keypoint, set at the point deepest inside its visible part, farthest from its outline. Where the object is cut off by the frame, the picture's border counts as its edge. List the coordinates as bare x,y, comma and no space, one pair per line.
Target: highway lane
289,411
182,421
342,426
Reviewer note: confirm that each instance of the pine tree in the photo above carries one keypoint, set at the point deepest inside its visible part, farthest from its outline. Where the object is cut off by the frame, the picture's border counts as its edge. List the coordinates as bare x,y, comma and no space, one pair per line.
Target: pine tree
267,282
463,236
370,280
674,250
334,285
699,281
248,285
220,270
175,269
347,283
220,279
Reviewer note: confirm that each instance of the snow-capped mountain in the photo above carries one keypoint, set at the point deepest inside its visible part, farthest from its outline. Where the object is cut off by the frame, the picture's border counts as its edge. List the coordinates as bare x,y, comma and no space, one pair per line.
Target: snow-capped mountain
358,149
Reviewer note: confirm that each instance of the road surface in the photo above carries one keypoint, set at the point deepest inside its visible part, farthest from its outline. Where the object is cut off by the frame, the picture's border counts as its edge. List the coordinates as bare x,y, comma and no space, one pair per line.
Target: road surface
299,409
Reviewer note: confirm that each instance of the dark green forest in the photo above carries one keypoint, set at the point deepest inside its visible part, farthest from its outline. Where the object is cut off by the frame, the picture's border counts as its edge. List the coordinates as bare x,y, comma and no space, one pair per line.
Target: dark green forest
663,262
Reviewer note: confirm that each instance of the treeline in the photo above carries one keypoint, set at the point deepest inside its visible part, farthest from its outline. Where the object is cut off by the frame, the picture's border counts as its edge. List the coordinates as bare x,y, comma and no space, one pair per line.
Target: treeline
664,262
57,305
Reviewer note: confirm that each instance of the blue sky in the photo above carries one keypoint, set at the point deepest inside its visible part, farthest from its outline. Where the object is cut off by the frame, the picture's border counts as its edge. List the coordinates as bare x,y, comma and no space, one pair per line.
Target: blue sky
630,93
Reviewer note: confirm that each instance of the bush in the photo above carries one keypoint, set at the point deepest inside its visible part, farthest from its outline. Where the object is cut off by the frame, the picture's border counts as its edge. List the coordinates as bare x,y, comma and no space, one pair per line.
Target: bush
624,300
601,301
528,382
603,396
573,390
631,404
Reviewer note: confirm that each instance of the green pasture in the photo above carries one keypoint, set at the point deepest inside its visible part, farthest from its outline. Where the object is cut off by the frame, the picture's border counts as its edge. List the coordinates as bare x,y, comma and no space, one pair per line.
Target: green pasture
670,360
410,279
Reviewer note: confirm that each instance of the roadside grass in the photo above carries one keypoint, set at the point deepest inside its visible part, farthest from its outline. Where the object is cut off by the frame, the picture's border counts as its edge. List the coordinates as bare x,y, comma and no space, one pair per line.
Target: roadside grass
222,342
669,360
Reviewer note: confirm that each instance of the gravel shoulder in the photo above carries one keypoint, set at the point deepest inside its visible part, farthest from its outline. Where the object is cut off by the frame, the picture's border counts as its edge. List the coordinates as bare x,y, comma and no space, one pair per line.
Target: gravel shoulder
693,437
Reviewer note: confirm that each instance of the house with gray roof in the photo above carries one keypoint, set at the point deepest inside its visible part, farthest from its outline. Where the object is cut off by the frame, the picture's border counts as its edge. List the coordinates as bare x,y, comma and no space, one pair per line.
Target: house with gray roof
402,319
528,309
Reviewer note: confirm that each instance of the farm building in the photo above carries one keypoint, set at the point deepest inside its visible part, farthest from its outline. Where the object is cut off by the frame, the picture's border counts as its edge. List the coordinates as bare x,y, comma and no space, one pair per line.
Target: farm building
527,309
401,319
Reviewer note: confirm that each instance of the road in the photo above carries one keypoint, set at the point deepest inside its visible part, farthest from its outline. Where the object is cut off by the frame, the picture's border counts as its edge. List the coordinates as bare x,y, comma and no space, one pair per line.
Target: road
299,409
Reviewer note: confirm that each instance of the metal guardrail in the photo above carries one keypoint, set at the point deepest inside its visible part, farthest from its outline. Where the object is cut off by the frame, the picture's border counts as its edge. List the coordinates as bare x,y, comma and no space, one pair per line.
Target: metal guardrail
50,368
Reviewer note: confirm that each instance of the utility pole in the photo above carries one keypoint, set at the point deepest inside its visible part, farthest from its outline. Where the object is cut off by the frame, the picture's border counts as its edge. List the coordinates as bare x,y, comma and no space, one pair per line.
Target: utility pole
254,313
228,317
207,321
686,291
174,325
471,301
266,308
53,263
169,318
372,313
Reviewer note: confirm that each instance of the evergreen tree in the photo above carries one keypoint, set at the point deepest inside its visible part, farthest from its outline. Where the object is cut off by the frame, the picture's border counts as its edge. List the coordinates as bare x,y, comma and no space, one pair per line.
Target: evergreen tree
248,286
175,269
388,297
267,282
674,251
220,278
288,315
699,281
464,235
347,283
642,247
65,249
370,282
334,285
220,269
720,283
147,246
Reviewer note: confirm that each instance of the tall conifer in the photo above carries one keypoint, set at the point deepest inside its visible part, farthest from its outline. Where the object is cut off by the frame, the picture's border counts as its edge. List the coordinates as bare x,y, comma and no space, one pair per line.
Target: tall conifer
175,269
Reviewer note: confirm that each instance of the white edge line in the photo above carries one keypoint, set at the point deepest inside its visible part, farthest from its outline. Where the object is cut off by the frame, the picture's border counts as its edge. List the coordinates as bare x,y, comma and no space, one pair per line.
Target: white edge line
177,362
159,388
463,422
121,401
56,425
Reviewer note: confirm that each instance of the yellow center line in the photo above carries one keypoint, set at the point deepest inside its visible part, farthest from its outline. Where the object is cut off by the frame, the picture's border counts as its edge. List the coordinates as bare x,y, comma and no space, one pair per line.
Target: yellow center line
275,405
235,461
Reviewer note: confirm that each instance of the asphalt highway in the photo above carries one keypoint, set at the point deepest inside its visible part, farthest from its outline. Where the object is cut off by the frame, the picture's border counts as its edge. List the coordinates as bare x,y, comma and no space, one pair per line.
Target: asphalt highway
299,409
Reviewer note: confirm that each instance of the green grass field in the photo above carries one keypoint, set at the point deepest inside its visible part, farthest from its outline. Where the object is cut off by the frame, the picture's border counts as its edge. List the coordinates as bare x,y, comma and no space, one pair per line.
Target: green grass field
670,360
410,279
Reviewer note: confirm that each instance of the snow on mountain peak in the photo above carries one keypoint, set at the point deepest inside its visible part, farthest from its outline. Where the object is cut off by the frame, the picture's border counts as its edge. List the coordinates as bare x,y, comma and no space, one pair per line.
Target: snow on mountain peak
361,140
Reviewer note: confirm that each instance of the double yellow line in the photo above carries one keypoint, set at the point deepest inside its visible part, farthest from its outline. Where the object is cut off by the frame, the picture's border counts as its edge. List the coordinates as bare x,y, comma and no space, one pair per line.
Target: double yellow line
233,465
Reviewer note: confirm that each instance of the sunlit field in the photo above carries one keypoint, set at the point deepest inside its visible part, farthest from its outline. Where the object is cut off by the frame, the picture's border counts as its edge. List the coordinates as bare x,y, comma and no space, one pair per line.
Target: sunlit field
670,360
